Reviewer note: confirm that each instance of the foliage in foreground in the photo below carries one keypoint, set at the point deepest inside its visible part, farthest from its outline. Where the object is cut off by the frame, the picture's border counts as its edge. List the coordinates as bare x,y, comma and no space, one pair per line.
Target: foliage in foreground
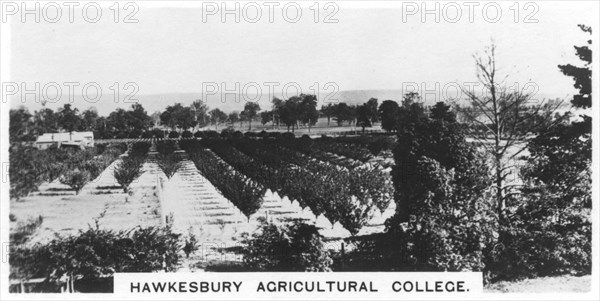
444,217
550,230
296,247
97,253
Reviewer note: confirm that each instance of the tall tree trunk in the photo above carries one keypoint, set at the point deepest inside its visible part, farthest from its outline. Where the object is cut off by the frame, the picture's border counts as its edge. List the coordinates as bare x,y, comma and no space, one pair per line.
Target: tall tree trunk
498,154
499,189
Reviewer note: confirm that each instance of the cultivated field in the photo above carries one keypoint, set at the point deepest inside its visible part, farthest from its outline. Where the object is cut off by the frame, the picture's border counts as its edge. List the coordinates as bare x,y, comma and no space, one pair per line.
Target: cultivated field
221,188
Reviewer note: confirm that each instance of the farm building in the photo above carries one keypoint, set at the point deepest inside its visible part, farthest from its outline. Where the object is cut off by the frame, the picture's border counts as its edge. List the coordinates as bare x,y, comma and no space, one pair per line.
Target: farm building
71,139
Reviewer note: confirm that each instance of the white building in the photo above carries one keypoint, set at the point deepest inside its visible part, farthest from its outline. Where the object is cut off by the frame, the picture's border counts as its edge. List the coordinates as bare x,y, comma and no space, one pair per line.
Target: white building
76,139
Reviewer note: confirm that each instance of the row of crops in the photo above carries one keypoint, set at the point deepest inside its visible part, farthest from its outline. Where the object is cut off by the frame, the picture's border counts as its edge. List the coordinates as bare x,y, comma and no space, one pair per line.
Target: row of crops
343,195
130,167
349,152
312,172
30,167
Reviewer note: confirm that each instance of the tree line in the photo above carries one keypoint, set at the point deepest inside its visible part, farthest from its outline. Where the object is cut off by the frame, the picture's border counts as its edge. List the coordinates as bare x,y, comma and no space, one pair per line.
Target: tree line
135,122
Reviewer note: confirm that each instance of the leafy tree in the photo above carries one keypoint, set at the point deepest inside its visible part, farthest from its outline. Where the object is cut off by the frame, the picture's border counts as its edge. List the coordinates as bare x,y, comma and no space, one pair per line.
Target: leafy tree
309,115
441,111
363,117
344,113
233,117
328,111
68,118
117,121
411,112
266,117
88,120
276,109
138,118
45,121
200,110
217,116
19,124
289,112
388,112
371,106
178,116
250,111
366,114
292,247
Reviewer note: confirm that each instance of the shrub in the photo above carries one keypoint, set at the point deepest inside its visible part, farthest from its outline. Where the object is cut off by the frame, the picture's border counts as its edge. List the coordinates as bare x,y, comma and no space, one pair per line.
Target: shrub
191,244
212,134
127,171
158,133
543,239
139,149
99,253
199,134
237,135
166,147
12,217
23,231
292,247
187,134
76,179
169,164
288,136
173,135
147,135
227,133
100,148
379,144
122,147
263,134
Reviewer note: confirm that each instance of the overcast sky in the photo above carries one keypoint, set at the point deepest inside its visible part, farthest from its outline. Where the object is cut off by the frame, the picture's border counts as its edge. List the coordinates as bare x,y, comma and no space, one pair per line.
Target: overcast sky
171,50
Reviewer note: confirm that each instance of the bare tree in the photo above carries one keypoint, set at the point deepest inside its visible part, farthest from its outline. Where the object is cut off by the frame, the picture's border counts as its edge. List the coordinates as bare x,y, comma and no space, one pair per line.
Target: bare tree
503,120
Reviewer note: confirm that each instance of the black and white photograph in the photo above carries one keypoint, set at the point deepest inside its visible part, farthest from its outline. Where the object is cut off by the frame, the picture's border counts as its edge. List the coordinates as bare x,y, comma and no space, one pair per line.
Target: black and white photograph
325,150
